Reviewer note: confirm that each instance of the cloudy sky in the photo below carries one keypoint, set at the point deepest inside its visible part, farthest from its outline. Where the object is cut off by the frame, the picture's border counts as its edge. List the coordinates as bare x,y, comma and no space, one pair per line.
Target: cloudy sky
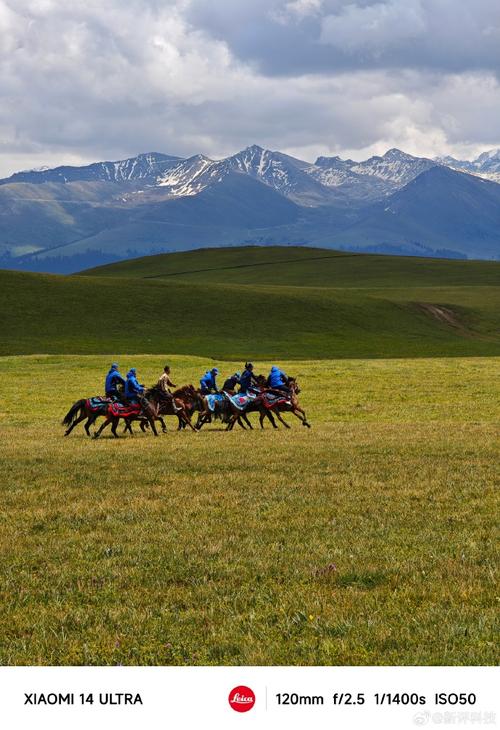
105,79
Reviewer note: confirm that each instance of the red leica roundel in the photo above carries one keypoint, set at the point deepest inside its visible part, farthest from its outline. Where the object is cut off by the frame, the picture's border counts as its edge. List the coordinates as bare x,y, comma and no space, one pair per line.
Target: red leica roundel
241,698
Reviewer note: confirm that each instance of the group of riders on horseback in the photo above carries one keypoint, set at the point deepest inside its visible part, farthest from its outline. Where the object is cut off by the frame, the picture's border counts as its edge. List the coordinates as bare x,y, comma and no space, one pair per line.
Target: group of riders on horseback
241,393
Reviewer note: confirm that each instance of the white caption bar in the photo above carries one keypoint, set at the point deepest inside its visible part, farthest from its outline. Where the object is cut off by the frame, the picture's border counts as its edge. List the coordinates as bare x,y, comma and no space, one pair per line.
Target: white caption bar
243,697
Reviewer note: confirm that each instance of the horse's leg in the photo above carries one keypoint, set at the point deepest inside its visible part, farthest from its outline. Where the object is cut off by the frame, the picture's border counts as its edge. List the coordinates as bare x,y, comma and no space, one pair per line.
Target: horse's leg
202,419
240,423
245,418
114,424
271,418
278,416
265,413
232,420
128,427
75,423
90,422
163,425
151,420
186,418
301,415
102,427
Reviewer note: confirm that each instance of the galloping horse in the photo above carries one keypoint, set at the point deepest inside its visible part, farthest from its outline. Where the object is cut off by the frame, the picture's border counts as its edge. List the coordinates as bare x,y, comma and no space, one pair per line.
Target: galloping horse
150,403
185,398
82,410
222,410
289,404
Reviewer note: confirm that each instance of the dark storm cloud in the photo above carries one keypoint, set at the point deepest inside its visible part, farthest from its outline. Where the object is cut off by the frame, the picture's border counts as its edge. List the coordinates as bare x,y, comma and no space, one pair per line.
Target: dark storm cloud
314,36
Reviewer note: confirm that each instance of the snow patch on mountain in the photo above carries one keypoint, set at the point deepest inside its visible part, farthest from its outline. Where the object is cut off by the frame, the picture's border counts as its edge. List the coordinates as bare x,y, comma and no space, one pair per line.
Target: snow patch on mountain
487,165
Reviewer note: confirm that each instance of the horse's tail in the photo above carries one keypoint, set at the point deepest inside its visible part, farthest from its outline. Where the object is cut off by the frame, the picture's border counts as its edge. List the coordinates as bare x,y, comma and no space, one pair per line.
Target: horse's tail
73,412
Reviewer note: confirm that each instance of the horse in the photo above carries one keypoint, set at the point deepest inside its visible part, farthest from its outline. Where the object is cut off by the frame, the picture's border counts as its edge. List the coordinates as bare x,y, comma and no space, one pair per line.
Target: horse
186,399
150,404
191,400
252,406
289,403
222,410
81,410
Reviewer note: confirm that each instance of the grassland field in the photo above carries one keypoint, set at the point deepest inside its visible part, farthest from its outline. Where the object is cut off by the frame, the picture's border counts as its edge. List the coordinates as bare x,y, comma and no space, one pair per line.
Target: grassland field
369,539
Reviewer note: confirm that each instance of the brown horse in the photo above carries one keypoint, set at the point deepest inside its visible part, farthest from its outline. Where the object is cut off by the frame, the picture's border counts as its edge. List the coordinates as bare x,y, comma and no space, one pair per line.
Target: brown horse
186,400
80,411
150,403
253,406
291,405
222,411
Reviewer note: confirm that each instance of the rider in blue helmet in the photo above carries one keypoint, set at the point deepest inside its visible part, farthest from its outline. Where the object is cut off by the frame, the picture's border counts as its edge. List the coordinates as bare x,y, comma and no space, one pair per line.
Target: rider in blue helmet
277,379
133,389
113,380
208,382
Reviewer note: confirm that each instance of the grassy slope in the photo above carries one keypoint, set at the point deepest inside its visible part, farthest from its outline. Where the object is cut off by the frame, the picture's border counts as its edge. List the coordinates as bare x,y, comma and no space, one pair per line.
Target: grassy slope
324,305
300,266
367,540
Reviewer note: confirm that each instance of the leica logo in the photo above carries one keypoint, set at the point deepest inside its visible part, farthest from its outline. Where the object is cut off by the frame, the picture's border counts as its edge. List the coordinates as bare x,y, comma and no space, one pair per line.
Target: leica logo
241,698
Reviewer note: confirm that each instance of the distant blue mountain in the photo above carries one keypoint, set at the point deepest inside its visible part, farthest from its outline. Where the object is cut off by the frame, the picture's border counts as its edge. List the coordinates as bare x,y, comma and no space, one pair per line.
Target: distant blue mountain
53,219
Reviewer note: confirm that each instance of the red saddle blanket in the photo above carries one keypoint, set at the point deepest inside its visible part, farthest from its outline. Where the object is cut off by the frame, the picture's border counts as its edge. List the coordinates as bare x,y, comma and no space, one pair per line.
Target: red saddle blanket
122,410
270,400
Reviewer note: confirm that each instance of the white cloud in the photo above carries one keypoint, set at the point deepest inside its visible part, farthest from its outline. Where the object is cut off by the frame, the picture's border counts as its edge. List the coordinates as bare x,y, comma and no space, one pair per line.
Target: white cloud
90,80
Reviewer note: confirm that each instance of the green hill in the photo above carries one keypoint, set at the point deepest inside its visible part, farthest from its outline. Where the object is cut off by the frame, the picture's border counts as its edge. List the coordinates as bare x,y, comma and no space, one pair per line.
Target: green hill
269,302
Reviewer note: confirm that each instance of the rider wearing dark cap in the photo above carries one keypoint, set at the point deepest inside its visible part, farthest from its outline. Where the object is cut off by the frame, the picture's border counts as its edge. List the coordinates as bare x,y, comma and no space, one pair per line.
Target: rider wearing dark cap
247,378
231,383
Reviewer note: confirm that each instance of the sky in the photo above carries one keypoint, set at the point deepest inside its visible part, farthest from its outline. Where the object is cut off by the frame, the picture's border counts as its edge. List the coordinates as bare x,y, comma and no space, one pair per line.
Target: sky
91,80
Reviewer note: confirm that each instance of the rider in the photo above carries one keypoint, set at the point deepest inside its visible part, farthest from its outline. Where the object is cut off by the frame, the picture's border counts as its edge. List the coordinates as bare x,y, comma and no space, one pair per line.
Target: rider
208,382
113,379
248,378
277,379
133,389
231,383
164,383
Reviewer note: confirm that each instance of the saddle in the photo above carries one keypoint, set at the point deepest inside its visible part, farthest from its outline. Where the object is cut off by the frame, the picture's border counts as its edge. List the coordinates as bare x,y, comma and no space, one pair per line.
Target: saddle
214,398
124,410
98,402
241,401
272,400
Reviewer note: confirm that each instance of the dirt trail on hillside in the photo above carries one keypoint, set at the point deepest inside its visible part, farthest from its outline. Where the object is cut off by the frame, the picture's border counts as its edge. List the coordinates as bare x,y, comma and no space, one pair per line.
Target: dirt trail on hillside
448,316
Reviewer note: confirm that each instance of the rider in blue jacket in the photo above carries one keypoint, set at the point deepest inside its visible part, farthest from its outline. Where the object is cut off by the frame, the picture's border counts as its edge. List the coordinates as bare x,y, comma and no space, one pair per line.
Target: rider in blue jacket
133,389
208,382
247,379
277,379
113,379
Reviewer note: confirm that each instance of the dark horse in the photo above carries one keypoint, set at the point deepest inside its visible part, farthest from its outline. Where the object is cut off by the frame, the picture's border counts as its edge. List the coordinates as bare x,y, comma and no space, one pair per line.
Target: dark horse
267,409
82,410
150,404
230,414
186,399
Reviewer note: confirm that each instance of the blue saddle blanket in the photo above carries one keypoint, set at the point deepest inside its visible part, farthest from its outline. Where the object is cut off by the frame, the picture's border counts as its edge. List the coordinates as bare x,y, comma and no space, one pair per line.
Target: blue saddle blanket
213,398
241,401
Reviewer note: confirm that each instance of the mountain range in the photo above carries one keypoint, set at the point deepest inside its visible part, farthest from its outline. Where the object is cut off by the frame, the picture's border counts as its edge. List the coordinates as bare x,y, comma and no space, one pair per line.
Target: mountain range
67,218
